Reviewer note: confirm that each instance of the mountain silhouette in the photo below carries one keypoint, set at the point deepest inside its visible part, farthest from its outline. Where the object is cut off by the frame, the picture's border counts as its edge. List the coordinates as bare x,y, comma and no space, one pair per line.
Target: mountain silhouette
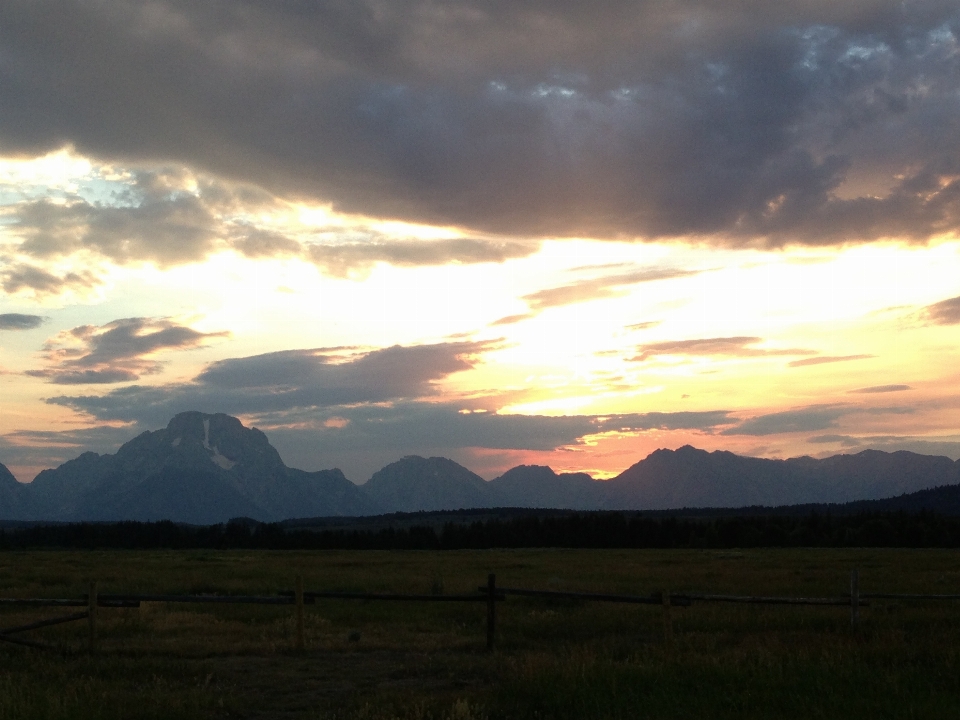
688,477
538,486
209,468
419,484
200,468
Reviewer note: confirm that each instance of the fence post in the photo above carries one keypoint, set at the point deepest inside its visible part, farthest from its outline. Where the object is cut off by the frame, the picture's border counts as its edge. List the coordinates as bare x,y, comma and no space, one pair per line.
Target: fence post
299,600
854,597
92,615
491,608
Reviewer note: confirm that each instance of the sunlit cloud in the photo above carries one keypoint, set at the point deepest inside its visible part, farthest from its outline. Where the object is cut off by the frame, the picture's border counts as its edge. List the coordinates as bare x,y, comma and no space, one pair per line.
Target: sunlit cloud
722,346
823,359
607,286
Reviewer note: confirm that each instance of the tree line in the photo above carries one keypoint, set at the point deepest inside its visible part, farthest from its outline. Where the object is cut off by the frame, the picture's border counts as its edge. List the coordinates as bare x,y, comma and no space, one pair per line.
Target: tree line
573,530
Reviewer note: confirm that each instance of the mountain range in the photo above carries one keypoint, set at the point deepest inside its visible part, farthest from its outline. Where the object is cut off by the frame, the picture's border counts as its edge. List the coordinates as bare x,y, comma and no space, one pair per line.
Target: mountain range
209,468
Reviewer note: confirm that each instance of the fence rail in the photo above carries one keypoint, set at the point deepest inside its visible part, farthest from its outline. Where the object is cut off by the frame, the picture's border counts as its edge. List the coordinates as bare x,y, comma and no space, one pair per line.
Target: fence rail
489,594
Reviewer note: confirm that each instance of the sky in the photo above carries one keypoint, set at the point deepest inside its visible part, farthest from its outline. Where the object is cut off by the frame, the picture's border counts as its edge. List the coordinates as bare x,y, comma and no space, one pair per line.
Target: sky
555,233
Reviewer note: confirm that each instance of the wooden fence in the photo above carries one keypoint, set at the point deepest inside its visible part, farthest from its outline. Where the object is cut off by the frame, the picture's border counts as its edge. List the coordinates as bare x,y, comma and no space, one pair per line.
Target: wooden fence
490,594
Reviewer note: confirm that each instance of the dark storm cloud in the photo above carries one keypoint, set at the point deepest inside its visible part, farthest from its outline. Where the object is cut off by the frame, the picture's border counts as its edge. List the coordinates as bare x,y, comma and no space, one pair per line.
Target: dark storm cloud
945,312
810,121
287,380
19,321
120,351
740,346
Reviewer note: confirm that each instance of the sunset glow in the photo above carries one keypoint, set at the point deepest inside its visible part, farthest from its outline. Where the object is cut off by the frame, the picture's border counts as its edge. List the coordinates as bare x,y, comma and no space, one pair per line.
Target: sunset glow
571,252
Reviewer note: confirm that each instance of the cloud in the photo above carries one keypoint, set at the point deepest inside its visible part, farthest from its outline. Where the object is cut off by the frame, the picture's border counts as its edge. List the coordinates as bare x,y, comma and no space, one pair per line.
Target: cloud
817,417
344,258
287,380
739,346
643,325
946,446
945,312
844,440
18,321
813,122
606,286
167,216
22,276
120,351
32,450
512,319
807,419
882,389
822,359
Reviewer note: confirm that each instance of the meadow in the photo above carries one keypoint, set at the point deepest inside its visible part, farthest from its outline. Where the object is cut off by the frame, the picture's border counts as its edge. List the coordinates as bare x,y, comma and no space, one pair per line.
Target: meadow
553,658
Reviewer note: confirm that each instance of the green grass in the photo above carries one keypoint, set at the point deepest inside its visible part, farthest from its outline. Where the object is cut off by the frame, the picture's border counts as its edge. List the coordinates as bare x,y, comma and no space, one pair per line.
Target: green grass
554,659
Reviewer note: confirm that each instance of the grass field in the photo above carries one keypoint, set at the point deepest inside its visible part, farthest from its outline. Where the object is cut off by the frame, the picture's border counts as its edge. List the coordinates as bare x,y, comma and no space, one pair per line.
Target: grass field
554,659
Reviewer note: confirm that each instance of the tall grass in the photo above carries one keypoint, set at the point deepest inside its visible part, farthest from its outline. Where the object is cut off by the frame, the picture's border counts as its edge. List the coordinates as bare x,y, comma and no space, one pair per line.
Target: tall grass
554,659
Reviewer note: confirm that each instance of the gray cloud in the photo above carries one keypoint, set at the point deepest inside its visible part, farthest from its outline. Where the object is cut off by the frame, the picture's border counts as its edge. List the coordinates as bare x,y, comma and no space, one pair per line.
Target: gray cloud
739,346
120,351
948,447
170,217
606,286
165,216
36,449
808,419
22,276
287,380
882,389
822,359
813,121
817,417
844,440
945,312
19,321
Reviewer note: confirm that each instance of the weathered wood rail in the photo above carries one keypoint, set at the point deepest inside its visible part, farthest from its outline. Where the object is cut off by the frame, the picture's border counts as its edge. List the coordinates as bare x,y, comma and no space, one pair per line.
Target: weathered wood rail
490,594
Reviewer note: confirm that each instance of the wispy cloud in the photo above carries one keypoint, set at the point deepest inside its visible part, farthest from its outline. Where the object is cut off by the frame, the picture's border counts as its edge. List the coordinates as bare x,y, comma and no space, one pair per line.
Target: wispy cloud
120,351
740,346
822,359
343,259
512,319
881,389
606,286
